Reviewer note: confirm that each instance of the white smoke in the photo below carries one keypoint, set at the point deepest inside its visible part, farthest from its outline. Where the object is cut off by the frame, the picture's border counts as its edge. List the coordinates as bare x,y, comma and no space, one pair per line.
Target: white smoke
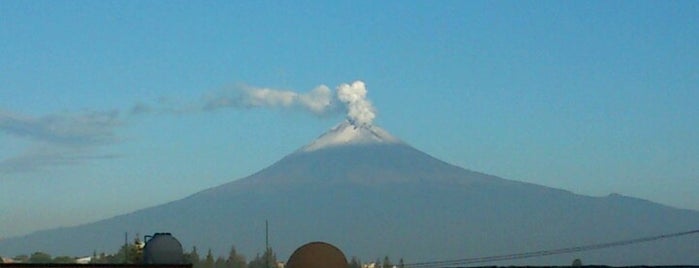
320,101
359,109
265,97
317,101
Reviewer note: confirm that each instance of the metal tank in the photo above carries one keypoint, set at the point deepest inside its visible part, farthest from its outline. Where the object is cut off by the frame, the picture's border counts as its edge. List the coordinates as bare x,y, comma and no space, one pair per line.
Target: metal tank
317,255
162,248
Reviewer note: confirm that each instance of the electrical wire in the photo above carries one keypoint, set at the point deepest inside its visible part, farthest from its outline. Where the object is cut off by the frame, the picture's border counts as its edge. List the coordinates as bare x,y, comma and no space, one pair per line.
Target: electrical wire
524,255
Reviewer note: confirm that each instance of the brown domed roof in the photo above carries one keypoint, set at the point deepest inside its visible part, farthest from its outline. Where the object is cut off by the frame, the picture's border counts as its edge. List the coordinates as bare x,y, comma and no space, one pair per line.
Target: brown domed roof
317,255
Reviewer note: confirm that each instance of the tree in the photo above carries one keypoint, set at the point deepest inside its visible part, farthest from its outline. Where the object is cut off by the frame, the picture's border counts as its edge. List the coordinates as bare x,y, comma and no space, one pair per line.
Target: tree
101,258
271,258
193,258
220,262
577,263
354,263
387,262
98,258
235,260
40,257
401,263
63,259
127,254
267,260
209,261
21,258
256,262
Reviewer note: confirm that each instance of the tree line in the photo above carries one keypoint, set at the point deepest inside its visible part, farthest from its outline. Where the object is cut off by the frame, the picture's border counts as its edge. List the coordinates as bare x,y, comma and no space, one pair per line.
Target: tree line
42,257
133,254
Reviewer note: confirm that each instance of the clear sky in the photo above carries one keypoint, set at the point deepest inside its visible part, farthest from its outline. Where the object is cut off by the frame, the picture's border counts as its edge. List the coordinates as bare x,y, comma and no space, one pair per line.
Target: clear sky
109,106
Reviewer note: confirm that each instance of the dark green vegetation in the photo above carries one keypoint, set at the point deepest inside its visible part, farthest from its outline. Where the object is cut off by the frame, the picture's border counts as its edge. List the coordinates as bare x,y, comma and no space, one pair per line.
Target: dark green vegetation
132,254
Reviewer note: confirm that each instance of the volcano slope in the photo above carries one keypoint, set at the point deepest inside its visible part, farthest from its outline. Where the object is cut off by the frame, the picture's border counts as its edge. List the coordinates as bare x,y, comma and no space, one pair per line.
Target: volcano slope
372,195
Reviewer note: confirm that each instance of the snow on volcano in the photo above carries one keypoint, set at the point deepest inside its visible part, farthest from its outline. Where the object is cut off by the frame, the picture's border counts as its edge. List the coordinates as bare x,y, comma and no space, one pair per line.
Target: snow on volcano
347,133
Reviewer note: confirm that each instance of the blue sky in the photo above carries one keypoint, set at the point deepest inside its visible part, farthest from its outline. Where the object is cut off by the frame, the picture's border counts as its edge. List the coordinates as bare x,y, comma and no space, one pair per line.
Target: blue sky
103,103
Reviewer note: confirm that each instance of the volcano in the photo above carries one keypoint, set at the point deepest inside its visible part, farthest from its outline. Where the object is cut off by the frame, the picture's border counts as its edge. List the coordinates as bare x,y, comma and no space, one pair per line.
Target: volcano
373,195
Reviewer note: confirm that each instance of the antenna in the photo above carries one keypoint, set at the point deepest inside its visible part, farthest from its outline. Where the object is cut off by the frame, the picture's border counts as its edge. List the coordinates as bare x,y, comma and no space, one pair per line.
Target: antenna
266,235
266,244
126,247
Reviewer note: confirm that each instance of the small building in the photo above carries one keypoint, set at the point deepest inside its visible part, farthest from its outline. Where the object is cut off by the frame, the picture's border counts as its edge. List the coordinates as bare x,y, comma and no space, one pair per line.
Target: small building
83,260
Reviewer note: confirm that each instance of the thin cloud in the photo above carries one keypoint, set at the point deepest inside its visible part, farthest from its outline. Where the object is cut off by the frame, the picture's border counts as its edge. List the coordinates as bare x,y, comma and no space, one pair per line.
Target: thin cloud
58,139
140,108
45,156
90,128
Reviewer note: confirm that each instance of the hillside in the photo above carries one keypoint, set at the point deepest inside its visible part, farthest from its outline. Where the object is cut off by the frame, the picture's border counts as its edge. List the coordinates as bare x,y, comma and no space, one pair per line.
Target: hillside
383,197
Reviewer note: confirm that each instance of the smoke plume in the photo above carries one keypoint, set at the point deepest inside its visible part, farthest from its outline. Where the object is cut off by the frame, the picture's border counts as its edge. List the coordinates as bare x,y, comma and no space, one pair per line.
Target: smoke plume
73,138
349,98
359,110
317,101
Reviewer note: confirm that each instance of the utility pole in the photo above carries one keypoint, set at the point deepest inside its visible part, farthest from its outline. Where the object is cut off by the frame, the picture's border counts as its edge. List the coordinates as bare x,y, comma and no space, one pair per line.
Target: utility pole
126,247
266,235
267,244
268,250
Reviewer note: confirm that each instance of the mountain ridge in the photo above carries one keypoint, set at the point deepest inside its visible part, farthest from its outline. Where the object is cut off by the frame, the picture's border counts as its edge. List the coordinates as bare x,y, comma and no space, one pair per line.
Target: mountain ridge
373,199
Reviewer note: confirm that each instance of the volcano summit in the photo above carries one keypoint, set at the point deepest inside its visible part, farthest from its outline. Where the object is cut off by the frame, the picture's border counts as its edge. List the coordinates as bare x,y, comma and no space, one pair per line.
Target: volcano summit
372,195
348,133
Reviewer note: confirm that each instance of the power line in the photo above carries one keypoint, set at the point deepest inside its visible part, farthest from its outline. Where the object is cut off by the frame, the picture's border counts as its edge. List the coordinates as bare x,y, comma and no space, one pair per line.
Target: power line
524,255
